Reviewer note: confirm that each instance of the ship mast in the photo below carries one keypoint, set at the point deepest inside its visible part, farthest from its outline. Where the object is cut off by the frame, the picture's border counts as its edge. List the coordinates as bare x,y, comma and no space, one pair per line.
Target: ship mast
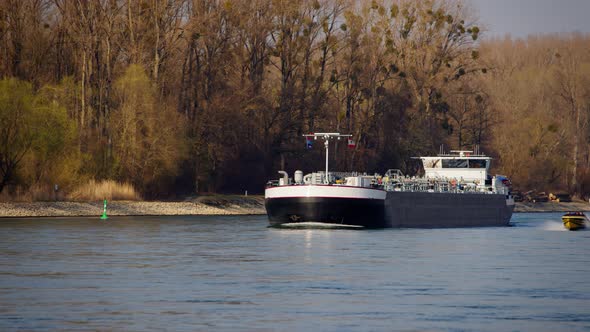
326,137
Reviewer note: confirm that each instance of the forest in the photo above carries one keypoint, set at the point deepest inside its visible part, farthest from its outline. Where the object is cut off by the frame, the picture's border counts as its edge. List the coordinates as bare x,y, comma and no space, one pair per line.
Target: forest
174,98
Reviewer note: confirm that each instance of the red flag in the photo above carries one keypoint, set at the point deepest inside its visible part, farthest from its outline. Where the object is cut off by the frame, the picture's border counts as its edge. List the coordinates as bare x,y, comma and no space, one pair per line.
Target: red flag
351,144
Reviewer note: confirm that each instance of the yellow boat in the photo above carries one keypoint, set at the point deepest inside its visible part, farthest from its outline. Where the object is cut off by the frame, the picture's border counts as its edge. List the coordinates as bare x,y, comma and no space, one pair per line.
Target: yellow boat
574,220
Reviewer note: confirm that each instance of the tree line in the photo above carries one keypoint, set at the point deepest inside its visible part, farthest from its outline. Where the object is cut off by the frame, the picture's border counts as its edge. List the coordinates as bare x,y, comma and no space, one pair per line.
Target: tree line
190,96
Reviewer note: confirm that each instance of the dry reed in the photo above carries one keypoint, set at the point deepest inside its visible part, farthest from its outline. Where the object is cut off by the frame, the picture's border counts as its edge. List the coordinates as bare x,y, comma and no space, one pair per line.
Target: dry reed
105,189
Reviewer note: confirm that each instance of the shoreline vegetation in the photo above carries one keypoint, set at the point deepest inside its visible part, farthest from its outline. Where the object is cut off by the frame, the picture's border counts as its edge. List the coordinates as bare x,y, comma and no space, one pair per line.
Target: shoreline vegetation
203,205
174,97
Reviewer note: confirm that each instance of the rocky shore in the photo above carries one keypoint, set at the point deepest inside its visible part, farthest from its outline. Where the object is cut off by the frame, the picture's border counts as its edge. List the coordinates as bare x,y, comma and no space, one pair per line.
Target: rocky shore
205,205
552,206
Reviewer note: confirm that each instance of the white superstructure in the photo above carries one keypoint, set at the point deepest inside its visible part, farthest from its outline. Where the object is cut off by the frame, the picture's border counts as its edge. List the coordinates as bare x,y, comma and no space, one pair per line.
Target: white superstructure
461,165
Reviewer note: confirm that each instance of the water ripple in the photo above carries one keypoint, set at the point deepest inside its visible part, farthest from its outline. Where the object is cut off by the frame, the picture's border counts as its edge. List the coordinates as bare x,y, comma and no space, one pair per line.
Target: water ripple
233,273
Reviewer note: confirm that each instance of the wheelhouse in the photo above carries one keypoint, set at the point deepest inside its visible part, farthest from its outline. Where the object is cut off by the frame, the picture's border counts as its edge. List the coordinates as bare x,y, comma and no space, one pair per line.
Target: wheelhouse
459,164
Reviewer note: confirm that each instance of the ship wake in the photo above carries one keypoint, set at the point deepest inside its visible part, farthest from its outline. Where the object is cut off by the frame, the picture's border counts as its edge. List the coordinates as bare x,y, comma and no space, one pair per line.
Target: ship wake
317,225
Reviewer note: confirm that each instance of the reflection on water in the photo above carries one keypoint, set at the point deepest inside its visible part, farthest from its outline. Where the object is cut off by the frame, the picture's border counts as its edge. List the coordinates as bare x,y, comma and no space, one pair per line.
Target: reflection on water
228,273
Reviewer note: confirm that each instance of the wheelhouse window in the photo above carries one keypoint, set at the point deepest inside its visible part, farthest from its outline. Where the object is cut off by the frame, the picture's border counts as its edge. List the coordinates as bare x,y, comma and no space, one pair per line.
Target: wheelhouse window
477,163
432,163
455,163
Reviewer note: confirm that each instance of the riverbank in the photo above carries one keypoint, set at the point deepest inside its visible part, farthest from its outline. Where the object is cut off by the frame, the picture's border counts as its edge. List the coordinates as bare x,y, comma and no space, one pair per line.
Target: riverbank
552,207
204,205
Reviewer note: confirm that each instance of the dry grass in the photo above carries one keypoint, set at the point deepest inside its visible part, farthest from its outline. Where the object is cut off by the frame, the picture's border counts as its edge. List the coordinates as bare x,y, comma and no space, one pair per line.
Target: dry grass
34,193
106,189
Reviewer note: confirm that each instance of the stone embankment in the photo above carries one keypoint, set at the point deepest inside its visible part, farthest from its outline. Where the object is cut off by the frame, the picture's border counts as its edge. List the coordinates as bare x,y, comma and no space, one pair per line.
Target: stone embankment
552,206
205,205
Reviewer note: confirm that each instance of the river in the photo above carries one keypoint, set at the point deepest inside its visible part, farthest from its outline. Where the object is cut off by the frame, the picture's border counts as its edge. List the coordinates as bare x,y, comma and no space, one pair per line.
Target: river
212,273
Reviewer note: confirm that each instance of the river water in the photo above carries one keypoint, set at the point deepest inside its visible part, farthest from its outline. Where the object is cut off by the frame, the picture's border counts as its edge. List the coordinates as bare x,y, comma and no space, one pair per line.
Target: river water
204,273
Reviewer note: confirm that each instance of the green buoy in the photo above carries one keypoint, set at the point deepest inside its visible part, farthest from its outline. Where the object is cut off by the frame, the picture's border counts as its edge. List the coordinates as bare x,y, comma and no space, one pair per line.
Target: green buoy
104,211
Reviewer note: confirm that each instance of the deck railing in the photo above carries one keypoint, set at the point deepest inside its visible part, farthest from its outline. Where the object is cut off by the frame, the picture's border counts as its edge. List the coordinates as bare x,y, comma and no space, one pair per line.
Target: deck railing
395,180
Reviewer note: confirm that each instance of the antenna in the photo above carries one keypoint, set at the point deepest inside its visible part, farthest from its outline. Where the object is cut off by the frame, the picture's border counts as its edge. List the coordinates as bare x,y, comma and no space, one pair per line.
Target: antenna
326,137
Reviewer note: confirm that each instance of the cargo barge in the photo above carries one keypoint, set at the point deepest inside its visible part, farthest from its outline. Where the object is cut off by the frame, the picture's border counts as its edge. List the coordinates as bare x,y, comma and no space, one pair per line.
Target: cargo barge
455,191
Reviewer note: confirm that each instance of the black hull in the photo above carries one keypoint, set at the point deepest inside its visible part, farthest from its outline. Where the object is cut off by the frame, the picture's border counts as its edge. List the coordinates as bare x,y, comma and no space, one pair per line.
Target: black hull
368,213
398,209
446,210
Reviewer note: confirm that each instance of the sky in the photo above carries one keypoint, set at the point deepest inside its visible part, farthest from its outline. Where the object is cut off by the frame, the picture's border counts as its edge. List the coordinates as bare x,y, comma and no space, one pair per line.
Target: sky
520,18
